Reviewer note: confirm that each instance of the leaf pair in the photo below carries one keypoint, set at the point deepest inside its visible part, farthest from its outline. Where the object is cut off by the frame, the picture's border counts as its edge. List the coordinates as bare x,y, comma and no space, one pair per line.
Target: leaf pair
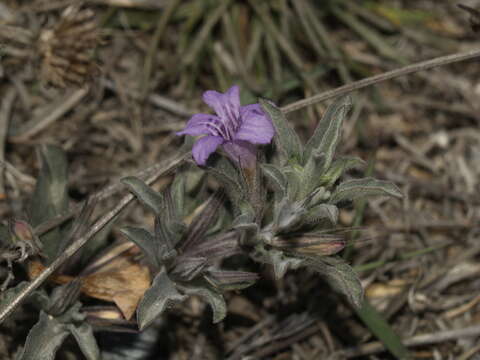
323,141
59,318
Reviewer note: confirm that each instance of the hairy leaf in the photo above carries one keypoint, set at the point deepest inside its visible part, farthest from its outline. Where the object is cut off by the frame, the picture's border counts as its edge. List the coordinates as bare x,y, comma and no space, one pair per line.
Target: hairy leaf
276,178
214,298
7,296
83,334
246,219
161,294
145,194
357,188
232,186
280,261
44,339
322,212
286,139
50,197
177,191
337,169
295,182
145,241
327,134
290,216
340,276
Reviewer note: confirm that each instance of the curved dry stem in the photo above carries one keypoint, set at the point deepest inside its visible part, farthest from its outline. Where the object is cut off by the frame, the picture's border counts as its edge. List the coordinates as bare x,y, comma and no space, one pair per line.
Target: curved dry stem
409,69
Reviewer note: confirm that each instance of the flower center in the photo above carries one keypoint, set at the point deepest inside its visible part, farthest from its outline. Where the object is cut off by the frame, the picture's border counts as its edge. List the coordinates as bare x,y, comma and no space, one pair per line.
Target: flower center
232,122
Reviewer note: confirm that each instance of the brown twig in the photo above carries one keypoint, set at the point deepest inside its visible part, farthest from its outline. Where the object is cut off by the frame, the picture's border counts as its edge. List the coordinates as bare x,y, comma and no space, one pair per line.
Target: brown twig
409,69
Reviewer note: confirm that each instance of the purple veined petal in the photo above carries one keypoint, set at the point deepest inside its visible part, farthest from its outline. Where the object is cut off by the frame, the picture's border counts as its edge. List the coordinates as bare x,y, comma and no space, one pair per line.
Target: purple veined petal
233,97
227,106
241,152
201,124
256,127
204,147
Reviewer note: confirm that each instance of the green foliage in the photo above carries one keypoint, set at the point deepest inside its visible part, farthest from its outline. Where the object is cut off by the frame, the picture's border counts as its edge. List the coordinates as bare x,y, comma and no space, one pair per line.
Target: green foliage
340,276
161,294
286,139
358,188
306,199
146,195
184,257
327,134
60,317
283,213
50,197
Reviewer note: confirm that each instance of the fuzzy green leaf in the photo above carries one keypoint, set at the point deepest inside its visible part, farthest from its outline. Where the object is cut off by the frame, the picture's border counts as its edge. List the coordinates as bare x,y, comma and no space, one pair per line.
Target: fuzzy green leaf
44,339
281,262
276,179
286,139
145,241
295,182
322,212
7,296
214,298
232,186
327,134
145,194
338,168
50,197
177,191
357,188
83,334
340,276
161,294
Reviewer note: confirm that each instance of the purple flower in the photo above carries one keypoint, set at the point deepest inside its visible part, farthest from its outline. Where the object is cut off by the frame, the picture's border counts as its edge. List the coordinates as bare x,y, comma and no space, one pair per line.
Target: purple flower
236,128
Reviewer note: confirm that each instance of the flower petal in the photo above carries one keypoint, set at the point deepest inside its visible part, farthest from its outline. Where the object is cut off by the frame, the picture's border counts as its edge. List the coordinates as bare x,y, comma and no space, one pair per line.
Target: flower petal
204,147
256,127
198,125
241,152
227,105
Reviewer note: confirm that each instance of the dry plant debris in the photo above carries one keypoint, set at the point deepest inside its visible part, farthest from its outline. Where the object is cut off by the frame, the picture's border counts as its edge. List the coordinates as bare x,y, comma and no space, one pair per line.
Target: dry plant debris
417,259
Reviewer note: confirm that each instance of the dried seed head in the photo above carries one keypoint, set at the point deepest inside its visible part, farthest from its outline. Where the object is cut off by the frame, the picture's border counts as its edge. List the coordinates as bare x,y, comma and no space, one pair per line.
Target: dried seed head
67,48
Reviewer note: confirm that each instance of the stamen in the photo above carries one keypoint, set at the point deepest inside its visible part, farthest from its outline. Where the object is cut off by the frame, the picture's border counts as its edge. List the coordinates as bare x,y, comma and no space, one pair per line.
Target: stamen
215,127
